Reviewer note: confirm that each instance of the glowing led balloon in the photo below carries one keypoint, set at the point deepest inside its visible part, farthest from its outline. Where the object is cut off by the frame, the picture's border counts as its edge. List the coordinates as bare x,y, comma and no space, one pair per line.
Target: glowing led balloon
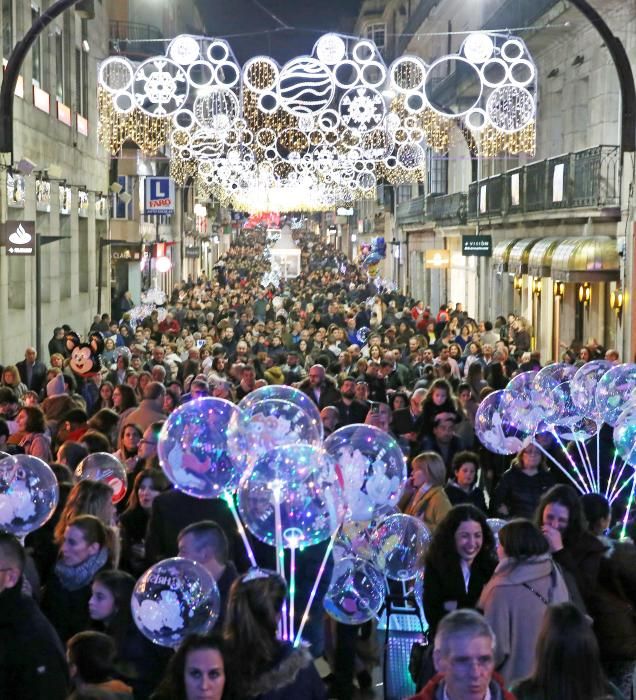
284,393
104,467
355,540
302,479
363,334
271,423
356,592
545,382
194,450
625,435
495,423
370,467
173,599
401,542
495,524
583,387
28,493
614,391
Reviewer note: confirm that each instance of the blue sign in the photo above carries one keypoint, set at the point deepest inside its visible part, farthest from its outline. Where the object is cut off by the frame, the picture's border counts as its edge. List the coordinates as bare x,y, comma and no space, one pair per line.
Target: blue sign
160,196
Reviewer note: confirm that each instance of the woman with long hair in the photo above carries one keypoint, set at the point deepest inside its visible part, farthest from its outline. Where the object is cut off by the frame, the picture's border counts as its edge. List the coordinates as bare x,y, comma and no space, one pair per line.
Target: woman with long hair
148,484
567,661
520,488
11,379
83,551
197,670
138,660
105,396
128,445
259,664
524,584
463,487
459,562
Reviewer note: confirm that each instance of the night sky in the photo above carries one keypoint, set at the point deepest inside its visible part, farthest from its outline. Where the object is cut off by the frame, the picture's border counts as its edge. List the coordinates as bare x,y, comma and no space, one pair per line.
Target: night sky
263,34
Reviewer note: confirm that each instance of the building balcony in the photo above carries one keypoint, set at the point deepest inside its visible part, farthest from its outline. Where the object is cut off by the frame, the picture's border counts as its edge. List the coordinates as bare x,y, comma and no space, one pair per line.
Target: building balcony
134,40
447,209
586,181
412,211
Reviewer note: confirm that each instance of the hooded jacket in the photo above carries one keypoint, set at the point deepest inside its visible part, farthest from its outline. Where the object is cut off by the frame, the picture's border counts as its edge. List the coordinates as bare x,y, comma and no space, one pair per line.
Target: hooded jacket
514,602
435,689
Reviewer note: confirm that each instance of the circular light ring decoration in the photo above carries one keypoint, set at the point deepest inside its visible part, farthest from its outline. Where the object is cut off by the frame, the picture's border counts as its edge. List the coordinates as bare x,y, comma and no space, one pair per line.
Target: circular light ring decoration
343,66
216,109
183,119
184,50
366,181
268,102
216,46
246,137
506,117
330,49
411,156
369,68
329,120
291,144
203,66
362,108
476,113
364,45
265,137
305,86
116,74
180,138
160,87
528,65
306,123
439,62
513,45
224,69
408,73
123,102
415,102
261,63
502,65
478,47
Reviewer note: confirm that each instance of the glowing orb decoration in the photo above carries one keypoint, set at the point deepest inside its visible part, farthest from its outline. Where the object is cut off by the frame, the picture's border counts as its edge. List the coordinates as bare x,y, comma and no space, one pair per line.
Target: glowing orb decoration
104,467
306,86
163,263
356,592
28,493
184,50
173,599
478,47
195,447
330,49
292,489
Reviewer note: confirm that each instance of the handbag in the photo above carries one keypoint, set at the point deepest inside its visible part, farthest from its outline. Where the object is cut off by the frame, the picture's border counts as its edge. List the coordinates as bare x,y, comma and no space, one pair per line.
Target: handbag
421,666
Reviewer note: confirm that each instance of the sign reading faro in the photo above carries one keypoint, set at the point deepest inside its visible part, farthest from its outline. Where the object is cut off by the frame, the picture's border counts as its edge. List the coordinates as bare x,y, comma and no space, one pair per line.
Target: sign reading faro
477,245
160,196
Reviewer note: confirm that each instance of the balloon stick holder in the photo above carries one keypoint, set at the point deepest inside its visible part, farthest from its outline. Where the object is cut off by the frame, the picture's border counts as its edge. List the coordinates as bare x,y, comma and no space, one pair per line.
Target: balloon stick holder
229,499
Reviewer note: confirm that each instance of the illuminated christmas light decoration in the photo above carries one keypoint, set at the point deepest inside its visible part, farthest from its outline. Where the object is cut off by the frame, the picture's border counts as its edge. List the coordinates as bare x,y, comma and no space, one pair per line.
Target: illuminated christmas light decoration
321,130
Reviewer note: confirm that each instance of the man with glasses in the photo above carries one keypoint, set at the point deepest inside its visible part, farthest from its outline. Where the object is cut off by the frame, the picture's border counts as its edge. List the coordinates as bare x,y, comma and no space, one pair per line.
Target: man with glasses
464,660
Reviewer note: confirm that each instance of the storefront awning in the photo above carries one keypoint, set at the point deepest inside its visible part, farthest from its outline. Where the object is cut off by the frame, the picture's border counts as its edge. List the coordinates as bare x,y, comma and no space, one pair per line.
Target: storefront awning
593,259
518,260
500,254
540,259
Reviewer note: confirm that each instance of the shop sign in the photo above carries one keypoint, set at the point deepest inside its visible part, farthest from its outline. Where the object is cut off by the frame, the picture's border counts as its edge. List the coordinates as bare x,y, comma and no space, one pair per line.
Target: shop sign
160,196
437,258
192,251
477,245
18,237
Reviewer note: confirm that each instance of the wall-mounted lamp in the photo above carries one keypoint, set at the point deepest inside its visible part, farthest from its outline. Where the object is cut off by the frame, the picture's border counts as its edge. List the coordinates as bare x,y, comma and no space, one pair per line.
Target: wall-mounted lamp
536,286
559,290
354,237
517,283
585,294
616,300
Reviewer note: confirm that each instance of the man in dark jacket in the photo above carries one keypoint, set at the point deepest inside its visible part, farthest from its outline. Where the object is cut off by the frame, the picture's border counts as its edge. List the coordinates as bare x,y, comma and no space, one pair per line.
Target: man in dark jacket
349,410
32,660
32,372
320,388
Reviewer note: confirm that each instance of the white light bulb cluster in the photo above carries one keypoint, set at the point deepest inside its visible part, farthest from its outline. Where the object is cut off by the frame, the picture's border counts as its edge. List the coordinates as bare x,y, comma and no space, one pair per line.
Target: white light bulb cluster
324,124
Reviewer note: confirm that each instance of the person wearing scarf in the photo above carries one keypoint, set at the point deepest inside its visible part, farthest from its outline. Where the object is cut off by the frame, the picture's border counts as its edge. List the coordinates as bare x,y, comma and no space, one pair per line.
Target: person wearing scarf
84,551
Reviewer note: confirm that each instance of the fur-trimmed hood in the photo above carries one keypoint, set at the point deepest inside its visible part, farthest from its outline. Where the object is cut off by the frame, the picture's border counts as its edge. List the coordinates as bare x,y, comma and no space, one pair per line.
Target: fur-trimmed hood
283,674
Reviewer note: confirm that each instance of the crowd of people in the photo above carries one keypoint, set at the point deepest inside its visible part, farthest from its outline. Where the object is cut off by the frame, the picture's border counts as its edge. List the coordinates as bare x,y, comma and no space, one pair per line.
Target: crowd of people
555,590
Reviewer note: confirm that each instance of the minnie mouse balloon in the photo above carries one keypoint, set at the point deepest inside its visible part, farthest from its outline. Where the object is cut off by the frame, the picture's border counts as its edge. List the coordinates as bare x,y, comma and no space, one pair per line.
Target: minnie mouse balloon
495,423
271,423
194,447
173,599
104,467
29,494
400,542
300,482
371,469
356,592
615,389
